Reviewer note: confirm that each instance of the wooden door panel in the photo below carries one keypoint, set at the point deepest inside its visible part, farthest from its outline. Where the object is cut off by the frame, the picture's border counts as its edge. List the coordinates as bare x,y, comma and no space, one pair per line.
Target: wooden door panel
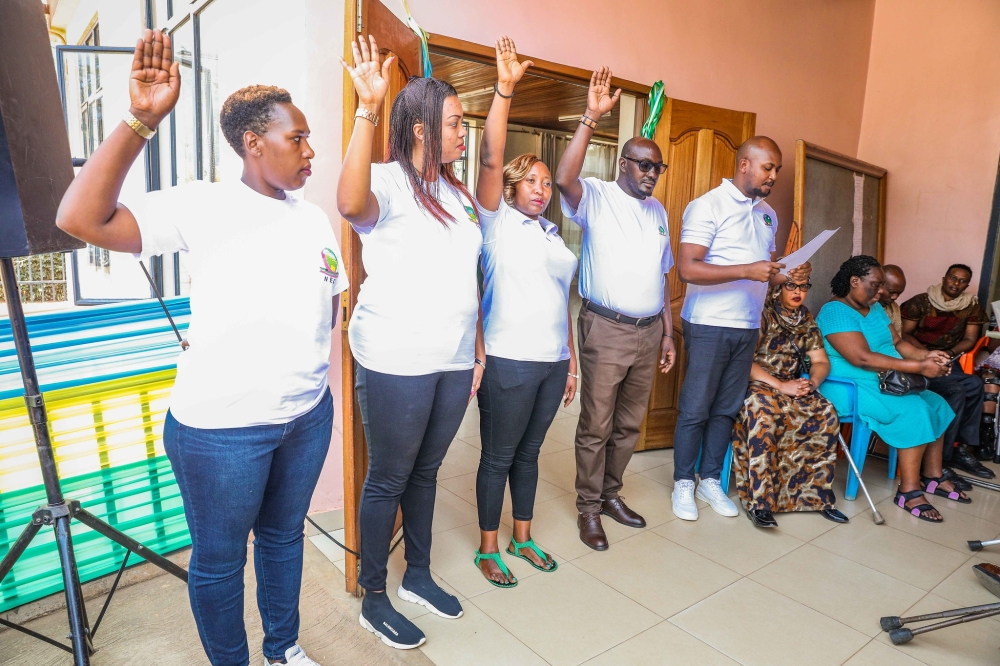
394,38
699,143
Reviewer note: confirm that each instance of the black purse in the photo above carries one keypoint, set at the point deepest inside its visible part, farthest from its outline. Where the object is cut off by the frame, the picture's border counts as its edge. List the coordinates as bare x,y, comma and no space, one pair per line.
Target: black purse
894,382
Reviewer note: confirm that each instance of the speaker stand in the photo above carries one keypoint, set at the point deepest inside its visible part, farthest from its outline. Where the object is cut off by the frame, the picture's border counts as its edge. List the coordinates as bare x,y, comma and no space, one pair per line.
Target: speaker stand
59,512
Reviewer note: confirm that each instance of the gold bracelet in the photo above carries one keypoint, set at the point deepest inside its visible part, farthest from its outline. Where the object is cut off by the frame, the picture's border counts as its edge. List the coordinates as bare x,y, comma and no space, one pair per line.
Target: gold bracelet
367,115
137,125
589,122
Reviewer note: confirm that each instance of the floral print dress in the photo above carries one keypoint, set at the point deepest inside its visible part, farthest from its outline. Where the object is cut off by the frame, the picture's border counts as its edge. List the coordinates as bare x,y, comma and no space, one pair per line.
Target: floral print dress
785,448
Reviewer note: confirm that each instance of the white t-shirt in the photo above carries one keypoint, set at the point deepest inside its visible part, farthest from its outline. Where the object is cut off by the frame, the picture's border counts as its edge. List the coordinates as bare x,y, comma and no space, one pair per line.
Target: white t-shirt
736,230
418,306
527,272
626,248
264,273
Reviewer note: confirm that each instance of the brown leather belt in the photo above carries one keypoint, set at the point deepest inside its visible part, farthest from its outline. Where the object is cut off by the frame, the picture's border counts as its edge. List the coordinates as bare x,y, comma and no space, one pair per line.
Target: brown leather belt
607,313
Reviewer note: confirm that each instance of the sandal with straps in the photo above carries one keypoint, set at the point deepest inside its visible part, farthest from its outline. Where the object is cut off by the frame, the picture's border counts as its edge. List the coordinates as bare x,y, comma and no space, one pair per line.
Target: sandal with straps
933,486
530,543
499,562
902,498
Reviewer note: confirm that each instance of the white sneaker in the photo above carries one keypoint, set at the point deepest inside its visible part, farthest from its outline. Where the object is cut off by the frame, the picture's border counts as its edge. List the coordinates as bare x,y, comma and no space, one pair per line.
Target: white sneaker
294,656
683,500
710,490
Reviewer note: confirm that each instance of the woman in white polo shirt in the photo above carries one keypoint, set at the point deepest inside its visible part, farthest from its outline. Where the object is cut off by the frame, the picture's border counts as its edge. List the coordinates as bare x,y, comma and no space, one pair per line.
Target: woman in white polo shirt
414,330
530,359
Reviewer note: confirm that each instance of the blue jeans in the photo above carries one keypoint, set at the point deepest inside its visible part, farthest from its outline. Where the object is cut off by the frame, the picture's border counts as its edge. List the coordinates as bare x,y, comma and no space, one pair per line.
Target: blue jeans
232,481
409,424
517,402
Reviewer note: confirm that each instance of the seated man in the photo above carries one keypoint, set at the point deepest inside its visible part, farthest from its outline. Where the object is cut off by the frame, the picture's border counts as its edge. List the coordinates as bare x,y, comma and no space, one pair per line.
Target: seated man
947,319
894,285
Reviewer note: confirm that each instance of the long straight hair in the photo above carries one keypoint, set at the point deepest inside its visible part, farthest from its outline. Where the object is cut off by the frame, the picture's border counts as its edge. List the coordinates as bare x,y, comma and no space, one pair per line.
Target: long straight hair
422,101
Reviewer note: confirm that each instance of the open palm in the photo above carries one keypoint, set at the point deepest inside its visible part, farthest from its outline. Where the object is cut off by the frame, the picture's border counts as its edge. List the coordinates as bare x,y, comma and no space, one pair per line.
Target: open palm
370,76
154,84
599,98
509,70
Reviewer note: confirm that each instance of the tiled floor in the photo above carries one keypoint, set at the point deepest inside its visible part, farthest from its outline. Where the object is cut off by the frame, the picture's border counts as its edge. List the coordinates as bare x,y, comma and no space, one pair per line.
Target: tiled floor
715,591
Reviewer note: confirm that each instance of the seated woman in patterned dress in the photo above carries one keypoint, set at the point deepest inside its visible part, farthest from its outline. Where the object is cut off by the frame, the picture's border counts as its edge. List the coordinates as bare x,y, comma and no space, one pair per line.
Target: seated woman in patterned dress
785,439
861,343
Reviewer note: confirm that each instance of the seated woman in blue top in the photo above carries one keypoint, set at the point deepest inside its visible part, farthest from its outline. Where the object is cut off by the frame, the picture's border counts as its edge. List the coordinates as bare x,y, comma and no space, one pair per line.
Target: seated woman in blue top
861,343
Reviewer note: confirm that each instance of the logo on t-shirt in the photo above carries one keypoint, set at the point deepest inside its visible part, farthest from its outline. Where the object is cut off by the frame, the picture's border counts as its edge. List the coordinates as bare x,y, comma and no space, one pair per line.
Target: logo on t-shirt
329,266
767,219
472,215
663,232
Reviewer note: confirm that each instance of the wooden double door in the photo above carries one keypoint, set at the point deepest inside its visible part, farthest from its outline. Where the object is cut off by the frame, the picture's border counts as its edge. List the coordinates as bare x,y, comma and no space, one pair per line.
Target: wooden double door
699,145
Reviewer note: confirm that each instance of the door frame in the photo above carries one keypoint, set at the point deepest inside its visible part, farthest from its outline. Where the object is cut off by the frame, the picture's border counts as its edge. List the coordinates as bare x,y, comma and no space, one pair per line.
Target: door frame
356,21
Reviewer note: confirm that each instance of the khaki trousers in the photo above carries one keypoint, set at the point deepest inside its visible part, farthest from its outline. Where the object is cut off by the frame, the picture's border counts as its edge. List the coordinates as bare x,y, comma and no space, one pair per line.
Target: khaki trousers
617,366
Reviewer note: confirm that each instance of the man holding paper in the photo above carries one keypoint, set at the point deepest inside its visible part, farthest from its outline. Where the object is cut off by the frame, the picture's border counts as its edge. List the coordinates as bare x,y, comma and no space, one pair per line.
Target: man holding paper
726,259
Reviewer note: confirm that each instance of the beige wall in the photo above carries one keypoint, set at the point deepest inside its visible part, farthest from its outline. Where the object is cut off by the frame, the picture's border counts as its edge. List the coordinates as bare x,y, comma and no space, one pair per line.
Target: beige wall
801,66
932,118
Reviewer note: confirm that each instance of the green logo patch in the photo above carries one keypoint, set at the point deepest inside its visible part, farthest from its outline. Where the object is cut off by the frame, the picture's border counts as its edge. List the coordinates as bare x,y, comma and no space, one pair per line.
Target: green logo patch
767,219
663,232
472,215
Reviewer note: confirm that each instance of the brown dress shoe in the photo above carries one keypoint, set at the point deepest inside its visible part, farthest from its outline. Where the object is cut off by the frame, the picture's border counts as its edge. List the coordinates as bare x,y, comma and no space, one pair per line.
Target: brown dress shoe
591,532
615,509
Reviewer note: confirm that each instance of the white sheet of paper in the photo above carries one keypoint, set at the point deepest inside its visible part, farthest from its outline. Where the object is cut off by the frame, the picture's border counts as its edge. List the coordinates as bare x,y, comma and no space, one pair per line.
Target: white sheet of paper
802,255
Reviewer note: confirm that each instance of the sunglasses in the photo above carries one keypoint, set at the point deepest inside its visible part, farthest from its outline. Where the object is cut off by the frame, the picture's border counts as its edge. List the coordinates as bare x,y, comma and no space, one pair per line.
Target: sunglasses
646,166
791,286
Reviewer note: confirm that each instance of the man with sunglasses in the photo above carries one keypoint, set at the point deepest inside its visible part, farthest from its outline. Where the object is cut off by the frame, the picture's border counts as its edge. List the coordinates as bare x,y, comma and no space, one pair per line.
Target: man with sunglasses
947,319
726,259
625,328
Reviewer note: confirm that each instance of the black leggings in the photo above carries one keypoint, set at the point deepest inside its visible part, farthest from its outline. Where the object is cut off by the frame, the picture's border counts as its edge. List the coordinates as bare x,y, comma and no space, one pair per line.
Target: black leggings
409,424
517,402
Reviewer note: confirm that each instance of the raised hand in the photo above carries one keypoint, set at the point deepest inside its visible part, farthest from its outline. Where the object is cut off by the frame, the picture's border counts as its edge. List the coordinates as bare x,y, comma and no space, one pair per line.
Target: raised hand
509,70
599,98
370,76
154,84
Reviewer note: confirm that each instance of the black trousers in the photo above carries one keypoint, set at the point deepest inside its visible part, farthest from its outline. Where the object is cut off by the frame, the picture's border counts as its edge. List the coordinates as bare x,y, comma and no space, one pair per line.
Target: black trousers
517,402
714,388
409,424
964,394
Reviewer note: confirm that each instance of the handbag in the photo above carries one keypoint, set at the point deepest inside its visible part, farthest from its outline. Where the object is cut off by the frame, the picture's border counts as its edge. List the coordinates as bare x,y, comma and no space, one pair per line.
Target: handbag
894,382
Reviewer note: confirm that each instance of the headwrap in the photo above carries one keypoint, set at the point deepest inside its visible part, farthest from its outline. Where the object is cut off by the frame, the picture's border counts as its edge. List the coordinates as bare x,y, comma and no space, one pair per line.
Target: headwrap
936,297
797,321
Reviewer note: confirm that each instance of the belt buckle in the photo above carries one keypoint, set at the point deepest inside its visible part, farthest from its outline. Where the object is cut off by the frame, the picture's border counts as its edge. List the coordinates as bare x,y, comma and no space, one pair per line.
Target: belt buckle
618,317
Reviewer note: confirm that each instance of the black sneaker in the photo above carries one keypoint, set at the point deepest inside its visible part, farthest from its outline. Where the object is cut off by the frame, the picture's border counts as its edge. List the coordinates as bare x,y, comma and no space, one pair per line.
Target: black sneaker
419,588
379,617
963,459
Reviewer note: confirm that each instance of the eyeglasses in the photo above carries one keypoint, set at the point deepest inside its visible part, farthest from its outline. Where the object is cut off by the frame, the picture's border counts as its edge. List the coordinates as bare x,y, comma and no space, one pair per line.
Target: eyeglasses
646,166
791,286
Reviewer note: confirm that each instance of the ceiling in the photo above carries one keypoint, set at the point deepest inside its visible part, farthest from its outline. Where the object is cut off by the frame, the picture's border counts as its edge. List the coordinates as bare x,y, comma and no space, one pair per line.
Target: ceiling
538,102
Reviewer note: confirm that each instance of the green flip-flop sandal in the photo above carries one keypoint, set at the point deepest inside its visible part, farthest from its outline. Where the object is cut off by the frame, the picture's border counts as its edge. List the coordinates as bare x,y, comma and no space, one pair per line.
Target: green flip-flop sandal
530,543
503,567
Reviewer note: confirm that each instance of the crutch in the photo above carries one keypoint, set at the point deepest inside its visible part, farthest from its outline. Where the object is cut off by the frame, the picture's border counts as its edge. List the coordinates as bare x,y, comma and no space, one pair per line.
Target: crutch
979,545
876,516
989,576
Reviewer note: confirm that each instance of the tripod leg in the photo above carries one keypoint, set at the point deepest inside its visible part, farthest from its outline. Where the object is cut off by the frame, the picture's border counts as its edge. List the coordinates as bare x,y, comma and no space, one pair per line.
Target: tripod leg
96,524
79,632
18,548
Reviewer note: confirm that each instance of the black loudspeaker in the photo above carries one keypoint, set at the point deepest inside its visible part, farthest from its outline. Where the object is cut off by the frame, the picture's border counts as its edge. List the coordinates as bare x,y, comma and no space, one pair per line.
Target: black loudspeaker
35,163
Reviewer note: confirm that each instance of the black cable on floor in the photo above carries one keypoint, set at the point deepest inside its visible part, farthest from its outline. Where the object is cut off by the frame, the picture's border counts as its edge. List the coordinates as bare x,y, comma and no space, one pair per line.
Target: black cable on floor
331,538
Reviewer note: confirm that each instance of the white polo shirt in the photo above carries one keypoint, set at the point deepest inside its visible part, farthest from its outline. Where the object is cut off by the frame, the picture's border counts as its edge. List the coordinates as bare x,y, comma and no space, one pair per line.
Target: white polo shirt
264,274
419,304
527,271
626,248
736,230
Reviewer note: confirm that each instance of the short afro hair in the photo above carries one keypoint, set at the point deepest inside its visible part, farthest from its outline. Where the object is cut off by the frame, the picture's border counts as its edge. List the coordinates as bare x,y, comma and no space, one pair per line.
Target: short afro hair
961,267
857,266
250,109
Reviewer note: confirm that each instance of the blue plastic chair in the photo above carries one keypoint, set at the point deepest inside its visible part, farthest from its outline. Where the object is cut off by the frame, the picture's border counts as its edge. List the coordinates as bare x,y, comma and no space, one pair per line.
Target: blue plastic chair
860,437
727,466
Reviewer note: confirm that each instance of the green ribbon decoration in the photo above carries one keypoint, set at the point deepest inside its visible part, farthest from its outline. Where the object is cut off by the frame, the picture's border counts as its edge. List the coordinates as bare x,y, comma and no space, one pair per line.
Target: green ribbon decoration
656,98
423,35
